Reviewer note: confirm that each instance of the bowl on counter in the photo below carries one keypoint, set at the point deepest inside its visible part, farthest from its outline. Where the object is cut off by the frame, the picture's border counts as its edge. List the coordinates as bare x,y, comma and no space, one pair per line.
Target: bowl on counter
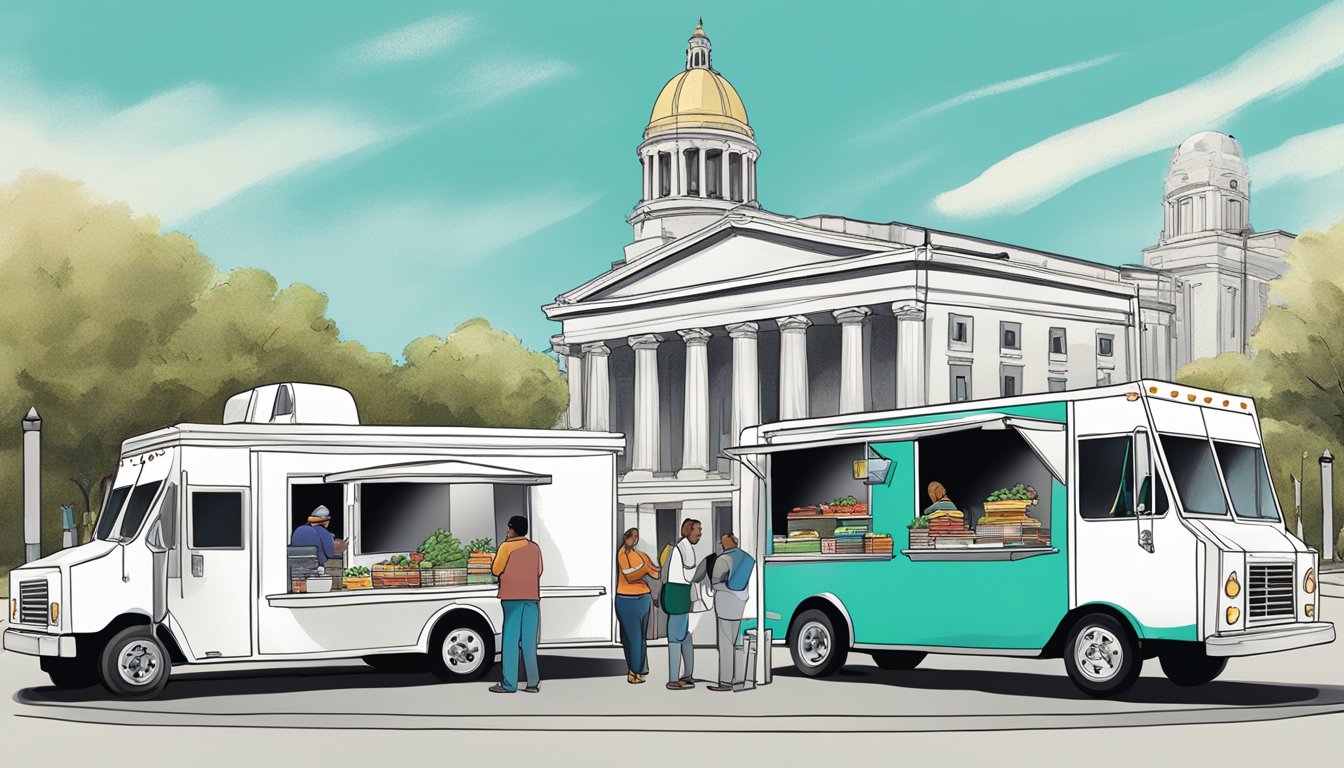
318,584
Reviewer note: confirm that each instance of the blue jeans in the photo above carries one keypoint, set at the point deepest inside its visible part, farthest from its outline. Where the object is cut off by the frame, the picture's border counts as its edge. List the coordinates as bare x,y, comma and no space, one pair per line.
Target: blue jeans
633,613
679,647
520,630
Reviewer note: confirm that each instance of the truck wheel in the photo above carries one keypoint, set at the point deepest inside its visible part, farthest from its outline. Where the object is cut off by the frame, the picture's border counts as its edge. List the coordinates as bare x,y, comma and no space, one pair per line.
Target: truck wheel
397,662
898,660
1189,665
462,648
134,664
1100,657
818,643
78,672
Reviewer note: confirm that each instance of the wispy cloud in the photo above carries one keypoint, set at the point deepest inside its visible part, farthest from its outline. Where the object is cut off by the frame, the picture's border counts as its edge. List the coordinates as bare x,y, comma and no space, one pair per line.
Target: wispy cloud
994,89
178,152
1292,57
848,196
1305,157
497,80
421,40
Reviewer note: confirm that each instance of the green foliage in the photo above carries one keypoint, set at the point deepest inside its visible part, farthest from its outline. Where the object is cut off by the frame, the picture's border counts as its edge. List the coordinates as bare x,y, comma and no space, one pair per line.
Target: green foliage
484,544
112,328
919,522
1018,492
1296,374
444,550
357,571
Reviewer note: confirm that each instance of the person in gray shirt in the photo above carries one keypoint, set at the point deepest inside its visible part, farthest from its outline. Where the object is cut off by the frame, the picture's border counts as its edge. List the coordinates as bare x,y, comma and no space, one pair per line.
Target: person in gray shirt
729,604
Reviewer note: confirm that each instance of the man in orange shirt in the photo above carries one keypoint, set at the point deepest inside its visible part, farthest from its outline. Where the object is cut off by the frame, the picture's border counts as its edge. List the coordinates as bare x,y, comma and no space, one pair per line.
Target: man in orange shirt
518,566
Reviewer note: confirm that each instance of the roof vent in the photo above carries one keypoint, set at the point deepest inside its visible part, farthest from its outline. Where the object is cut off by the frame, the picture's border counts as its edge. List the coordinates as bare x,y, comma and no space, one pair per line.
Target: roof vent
292,403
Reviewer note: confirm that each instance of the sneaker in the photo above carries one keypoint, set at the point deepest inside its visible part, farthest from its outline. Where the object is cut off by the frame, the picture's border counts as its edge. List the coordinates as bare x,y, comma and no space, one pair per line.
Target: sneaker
532,689
720,688
499,688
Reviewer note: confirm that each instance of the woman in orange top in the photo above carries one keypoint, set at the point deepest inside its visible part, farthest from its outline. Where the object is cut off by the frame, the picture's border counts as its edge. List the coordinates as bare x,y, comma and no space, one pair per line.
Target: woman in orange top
633,604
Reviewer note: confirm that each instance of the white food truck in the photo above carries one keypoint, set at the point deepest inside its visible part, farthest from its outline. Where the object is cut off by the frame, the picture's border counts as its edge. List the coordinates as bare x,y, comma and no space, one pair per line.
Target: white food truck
191,560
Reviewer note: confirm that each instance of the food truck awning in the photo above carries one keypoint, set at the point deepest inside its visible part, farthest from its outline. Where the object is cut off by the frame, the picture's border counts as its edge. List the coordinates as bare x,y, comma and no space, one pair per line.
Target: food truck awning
439,471
1046,438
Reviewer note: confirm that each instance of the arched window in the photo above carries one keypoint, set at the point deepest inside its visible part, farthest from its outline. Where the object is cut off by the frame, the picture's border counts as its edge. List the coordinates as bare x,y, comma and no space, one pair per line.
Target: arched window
692,159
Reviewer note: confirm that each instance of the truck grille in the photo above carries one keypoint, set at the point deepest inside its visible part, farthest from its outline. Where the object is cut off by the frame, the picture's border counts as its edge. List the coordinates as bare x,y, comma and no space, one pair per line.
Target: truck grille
33,603
1270,592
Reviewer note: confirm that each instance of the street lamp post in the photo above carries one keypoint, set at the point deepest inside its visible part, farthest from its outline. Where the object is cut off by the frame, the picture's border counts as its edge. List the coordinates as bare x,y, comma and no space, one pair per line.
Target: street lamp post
1245,233
1327,506
32,486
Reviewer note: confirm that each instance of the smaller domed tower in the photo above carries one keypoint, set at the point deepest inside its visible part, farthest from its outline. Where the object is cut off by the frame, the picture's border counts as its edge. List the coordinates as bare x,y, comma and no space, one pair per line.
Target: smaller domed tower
1208,188
698,157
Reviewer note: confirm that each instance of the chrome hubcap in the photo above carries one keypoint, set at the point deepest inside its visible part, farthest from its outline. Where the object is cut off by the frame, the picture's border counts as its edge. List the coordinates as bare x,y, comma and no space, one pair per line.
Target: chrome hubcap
814,644
140,663
463,651
1099,654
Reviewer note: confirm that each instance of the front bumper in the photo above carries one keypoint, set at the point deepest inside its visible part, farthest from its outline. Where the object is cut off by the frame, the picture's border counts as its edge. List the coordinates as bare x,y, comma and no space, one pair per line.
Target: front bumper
1270,639
39,644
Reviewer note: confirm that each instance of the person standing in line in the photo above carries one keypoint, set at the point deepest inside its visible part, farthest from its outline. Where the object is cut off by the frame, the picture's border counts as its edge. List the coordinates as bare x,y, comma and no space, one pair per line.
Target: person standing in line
518,566
731,576
633,604
681,598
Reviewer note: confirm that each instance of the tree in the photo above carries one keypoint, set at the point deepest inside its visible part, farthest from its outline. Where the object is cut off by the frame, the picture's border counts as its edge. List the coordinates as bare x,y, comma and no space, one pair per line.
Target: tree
113,328
1296,373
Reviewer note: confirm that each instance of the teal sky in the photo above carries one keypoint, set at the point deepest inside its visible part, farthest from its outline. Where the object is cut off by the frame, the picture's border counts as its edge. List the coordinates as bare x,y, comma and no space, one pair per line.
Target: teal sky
423,163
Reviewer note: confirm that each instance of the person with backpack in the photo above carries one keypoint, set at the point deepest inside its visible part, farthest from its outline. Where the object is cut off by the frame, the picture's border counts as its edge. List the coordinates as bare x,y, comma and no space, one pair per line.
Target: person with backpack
729,579
679,599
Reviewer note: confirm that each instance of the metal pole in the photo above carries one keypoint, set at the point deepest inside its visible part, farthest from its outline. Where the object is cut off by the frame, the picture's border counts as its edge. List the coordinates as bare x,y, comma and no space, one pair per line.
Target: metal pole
1327,507
1297,503
32,486
1244,233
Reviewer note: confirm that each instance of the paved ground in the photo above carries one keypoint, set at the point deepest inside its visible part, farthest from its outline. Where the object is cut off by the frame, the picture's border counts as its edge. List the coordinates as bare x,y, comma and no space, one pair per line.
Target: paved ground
1024,711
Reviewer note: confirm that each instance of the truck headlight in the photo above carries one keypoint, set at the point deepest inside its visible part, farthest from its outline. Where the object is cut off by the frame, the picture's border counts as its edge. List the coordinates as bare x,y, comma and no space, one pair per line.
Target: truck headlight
55,613
1233,587
1309,609
1233,614
1309,583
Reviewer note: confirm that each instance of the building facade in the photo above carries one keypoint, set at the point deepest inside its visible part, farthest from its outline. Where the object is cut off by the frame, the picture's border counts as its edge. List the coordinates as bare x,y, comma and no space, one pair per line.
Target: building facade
722,314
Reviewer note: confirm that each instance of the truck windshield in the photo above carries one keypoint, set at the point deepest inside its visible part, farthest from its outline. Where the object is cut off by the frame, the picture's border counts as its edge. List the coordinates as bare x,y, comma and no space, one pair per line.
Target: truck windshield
107,521
1247,480
1195,474
137,508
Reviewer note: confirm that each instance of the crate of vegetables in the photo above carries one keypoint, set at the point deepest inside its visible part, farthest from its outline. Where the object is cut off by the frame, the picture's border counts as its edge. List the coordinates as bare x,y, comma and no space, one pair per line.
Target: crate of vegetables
358,577
443,577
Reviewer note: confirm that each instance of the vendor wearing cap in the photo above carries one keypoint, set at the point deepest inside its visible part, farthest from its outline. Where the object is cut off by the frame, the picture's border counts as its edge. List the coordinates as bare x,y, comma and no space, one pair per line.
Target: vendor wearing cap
315,534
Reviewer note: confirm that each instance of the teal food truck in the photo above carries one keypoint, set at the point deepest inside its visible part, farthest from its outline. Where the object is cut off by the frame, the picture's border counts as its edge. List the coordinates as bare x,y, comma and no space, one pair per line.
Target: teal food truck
1103,526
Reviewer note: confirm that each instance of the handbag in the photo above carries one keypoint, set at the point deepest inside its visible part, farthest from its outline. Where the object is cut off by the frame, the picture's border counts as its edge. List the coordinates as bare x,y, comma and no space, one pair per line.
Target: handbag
675,599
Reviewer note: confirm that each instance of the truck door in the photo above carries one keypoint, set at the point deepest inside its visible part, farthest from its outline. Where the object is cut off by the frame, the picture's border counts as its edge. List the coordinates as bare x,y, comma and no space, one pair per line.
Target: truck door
214,608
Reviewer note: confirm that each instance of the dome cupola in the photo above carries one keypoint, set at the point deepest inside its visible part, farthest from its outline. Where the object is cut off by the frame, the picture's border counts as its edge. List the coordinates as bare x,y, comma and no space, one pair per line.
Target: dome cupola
1208,188
698,155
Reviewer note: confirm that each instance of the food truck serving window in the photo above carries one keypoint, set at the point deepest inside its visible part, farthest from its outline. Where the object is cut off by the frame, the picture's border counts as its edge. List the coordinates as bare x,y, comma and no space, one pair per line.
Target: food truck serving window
398,517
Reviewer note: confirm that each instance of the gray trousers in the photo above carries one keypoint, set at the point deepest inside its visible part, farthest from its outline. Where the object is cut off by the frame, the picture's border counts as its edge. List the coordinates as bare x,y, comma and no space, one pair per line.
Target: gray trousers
728,649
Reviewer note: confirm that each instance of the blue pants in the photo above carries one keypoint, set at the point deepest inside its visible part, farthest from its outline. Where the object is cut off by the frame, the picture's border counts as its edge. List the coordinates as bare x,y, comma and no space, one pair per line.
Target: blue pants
679,647
520,631
633,613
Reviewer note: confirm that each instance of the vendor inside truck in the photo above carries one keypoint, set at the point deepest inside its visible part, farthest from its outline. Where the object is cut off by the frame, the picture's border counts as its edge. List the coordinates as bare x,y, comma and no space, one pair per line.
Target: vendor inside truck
315,534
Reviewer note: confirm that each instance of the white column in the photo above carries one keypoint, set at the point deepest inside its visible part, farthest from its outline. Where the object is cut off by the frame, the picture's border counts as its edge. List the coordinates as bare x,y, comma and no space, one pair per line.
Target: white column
597,402
703,186
695,434
749,170
746,379
724,192
644,452
910,355
574,375
793,380
853,372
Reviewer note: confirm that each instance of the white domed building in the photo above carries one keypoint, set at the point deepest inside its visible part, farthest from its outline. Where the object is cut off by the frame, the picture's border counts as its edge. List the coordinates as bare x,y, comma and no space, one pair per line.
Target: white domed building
1221,264
722,314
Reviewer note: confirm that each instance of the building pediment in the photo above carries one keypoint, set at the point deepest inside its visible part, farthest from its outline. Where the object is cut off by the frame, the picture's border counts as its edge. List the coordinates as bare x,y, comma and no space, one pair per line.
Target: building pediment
725,254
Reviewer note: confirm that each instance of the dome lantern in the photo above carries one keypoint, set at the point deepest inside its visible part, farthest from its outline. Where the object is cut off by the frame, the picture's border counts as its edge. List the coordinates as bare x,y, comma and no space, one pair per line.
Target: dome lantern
698,48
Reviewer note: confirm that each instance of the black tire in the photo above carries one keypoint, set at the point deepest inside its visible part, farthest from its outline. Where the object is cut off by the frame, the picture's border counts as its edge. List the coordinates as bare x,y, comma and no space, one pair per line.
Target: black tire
70,674
1101,656
462,648
818,643
898,660
397,663
134,664
1189,665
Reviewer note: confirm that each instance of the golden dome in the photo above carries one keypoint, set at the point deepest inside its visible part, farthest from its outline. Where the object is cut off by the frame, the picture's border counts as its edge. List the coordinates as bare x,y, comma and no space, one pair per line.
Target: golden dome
698,98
